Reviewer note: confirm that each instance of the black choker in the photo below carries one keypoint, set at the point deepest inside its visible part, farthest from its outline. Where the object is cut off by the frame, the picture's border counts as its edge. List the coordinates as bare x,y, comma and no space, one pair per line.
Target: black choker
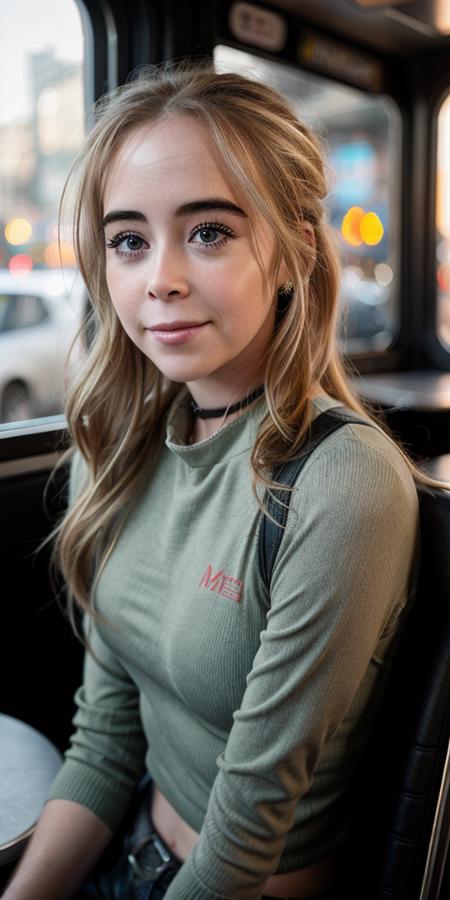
226,410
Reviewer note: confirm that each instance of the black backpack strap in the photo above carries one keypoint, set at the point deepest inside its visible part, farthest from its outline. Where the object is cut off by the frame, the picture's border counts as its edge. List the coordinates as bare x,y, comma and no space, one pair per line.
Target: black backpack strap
277,502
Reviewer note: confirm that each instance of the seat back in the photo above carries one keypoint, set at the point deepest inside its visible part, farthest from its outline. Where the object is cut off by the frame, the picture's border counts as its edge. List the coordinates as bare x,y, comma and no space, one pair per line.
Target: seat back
395,812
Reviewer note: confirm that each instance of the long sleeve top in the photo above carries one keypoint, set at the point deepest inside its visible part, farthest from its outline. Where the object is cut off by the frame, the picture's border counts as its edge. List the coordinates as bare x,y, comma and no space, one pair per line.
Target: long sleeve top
248,710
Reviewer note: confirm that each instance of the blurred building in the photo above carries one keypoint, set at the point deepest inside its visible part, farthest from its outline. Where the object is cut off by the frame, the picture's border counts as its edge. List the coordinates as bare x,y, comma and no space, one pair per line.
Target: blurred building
35,155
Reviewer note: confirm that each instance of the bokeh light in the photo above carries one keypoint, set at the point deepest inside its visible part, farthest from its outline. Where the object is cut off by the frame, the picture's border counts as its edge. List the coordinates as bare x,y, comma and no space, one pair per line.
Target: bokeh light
443,276
18,231
361,227
371,229
59,253
383,274
350,225
20,264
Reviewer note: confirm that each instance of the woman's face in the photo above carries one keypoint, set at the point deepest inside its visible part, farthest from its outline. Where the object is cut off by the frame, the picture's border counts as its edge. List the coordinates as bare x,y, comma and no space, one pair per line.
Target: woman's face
180,265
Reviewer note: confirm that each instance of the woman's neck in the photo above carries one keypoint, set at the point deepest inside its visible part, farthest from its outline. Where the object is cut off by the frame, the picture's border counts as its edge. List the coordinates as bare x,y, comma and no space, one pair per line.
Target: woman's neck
205,428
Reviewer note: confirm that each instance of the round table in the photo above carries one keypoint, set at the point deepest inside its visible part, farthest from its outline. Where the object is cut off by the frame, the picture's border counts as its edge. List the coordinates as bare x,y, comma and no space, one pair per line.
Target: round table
28,765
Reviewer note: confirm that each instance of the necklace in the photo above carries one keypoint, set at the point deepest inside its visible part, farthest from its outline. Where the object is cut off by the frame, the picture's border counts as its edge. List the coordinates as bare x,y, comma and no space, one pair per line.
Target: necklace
225,410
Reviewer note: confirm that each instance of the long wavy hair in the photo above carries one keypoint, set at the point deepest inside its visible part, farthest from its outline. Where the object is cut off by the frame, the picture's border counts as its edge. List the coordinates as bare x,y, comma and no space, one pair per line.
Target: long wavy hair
276,165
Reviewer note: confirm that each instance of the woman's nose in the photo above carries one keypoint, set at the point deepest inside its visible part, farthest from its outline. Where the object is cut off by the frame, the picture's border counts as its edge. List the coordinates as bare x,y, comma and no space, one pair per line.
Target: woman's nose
166,277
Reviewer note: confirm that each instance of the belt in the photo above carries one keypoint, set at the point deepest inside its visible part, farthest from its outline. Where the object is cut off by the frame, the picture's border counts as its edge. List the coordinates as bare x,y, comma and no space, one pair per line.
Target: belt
150,859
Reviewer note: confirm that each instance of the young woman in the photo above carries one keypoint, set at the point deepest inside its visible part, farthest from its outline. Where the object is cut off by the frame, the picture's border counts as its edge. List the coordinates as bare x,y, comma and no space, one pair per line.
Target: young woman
200,234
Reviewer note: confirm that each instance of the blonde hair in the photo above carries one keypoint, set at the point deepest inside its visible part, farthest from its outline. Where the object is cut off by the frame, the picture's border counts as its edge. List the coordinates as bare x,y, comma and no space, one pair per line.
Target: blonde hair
277,166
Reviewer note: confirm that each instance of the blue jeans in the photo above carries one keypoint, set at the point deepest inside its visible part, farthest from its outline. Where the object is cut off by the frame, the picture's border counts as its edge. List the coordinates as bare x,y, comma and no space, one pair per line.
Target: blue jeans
117,885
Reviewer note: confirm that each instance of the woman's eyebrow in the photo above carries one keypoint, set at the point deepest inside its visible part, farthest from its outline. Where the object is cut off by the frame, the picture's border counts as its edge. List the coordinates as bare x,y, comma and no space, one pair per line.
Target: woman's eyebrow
186,209
213,203
120,215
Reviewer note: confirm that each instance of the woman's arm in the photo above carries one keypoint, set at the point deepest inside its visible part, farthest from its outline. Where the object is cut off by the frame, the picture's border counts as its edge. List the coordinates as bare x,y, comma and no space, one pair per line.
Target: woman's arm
67,842
106,756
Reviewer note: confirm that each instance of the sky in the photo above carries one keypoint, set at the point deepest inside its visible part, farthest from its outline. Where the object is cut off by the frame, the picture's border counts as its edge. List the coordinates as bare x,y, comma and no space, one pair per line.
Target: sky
25,27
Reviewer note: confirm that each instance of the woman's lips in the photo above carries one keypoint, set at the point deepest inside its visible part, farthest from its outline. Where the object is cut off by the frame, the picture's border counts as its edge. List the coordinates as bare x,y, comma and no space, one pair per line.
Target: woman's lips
176,332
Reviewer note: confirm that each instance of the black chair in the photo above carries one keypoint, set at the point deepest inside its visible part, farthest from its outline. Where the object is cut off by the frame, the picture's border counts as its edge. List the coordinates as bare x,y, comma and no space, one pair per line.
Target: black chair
401,820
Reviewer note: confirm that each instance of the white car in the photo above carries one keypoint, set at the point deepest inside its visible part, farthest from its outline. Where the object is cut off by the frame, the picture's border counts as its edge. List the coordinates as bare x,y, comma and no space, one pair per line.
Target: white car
40,313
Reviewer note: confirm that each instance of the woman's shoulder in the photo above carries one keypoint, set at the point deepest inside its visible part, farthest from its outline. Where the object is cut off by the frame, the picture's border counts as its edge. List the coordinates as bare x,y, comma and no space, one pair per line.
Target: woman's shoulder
358,463
353,519
360,439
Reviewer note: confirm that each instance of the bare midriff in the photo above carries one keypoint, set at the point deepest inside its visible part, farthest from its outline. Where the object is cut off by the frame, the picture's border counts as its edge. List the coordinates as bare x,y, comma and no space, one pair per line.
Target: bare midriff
180,838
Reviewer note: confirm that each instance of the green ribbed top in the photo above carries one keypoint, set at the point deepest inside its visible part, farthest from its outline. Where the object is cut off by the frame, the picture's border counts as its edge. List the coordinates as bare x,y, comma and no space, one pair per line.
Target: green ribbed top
249,711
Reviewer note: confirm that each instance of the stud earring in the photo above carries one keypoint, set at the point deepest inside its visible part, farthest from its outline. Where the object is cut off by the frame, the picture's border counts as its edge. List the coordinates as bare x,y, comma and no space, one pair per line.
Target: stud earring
286,288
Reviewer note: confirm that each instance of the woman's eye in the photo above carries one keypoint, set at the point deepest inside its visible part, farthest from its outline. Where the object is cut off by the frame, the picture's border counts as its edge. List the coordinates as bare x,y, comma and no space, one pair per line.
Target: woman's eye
132,242
208,235
211,235
126,244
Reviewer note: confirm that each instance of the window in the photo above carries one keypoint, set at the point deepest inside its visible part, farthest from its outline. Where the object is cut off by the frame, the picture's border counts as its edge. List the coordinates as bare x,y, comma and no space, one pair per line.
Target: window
361,139
41,128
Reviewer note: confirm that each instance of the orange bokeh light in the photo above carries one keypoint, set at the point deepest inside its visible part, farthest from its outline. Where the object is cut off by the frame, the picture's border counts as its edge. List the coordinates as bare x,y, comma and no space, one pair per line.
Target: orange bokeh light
350,225
361,227
443,277
371,229
59,253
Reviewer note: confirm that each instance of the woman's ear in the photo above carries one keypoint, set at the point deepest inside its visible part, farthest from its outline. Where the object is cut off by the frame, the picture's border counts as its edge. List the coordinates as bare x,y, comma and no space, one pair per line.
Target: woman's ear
309,233
310,238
